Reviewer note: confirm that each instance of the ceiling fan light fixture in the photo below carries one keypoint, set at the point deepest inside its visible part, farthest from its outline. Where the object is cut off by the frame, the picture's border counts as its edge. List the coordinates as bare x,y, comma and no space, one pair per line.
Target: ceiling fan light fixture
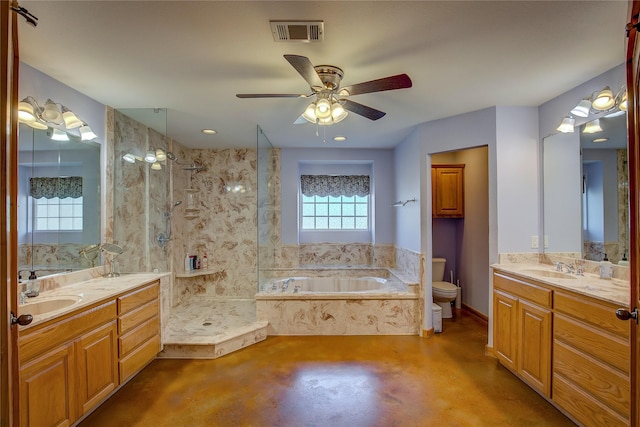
567,125
582,109
309,113
604,100
323,109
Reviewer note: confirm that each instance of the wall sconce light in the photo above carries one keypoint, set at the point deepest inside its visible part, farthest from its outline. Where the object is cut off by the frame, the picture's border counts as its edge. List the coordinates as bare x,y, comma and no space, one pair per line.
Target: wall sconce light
129,158
623,102
592,127
150,157
58,135
161,156
567,125
156,166
604,100
32,114
582,109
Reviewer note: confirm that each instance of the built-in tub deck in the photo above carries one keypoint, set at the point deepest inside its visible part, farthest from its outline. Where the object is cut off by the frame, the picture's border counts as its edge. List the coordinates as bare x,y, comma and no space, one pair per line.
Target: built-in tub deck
338,301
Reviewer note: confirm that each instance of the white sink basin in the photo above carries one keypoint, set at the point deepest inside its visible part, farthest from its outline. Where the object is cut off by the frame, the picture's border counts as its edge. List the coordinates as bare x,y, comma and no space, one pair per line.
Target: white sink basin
548,273
42,306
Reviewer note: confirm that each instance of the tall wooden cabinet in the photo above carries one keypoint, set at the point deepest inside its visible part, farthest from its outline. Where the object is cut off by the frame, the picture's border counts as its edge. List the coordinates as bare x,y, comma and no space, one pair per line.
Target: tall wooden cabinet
447,185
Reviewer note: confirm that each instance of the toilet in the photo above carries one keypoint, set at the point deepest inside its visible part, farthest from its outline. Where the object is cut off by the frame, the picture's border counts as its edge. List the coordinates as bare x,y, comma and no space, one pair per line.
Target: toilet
443,292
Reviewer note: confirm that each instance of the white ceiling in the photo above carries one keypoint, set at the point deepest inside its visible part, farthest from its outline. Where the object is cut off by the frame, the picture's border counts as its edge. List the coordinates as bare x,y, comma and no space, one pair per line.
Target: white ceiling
192,57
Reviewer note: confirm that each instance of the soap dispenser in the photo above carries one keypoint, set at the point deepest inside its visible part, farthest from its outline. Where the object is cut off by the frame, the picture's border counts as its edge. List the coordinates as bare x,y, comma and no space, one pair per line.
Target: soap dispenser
606,268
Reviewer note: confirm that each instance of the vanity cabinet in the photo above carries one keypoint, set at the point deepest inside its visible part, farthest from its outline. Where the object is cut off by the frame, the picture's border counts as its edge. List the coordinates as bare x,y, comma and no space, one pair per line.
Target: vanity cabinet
569,347
447,189
591,360
138,329
522,330
71,363
67,366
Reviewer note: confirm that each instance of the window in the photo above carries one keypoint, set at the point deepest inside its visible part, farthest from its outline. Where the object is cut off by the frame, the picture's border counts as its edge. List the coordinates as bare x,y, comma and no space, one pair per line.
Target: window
334,202
58,214
335,212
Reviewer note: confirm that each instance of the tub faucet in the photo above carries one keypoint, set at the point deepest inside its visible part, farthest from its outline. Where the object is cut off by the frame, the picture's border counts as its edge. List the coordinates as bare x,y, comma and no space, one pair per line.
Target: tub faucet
285,284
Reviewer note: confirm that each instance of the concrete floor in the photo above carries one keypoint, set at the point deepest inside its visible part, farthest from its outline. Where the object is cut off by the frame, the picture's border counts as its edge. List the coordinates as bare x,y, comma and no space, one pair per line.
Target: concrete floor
354,381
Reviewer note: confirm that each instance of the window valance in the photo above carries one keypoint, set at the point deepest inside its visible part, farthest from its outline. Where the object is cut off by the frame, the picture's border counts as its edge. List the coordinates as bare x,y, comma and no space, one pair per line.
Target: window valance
335,185
49,188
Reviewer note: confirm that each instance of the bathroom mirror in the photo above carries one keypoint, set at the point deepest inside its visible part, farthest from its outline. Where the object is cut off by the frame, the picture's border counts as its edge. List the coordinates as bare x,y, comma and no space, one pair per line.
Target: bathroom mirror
58,202
585,191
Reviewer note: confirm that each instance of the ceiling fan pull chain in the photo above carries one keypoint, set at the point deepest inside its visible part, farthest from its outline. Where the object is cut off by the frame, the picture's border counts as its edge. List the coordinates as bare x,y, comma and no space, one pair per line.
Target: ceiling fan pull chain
317,127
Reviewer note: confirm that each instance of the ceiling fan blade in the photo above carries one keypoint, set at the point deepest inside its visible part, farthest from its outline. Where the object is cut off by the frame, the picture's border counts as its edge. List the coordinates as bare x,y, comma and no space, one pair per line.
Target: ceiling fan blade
363,110
400,81
271,95
300,121
304,67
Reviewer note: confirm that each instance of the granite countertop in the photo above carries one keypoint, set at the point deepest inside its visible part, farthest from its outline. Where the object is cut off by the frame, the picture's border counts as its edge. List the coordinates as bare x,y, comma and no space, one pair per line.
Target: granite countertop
615,291
83,294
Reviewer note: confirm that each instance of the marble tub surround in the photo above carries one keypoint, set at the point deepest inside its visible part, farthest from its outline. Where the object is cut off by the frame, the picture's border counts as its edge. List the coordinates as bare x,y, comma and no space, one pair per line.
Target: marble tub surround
615,291
361,254
87,292
376,312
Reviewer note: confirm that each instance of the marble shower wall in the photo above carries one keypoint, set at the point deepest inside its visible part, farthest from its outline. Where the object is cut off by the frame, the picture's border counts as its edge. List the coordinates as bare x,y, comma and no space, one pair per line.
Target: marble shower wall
225,227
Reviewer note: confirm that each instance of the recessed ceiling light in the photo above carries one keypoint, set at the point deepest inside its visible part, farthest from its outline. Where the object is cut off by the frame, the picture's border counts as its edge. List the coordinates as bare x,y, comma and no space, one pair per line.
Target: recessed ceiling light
339,138
209,131
601,140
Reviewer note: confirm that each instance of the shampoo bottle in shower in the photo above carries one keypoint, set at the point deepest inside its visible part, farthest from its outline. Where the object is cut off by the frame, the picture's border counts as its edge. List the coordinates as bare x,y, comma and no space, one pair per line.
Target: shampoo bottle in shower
205,262
187,263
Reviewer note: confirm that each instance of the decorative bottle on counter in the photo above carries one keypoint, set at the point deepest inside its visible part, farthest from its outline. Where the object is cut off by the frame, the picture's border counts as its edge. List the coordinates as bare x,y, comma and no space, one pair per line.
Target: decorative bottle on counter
606,268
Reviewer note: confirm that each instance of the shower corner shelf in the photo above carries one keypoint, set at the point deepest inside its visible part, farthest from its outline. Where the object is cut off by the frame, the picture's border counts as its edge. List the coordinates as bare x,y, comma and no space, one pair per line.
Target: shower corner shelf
194,273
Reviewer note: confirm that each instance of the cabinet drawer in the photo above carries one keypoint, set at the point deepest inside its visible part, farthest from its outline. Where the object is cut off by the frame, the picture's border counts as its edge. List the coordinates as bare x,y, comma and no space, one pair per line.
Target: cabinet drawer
137,359
609,349
583,407
137,298
597,313
135,337
607,385
524,290
37,340
130,320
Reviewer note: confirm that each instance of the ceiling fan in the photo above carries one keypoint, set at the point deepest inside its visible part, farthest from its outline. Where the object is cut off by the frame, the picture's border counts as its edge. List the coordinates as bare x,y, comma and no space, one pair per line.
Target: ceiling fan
331,104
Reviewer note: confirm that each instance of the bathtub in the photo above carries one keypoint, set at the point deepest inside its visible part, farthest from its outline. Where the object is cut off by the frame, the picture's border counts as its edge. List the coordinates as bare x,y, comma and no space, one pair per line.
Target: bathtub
335,302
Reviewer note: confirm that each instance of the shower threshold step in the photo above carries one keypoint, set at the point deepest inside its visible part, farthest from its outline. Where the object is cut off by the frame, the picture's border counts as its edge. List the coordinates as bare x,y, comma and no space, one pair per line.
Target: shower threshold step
187,346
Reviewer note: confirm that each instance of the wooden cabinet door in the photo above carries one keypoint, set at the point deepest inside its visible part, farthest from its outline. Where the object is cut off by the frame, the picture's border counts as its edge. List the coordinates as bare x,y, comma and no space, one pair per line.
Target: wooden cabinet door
534,355
448,191
46,389
505,328
97,366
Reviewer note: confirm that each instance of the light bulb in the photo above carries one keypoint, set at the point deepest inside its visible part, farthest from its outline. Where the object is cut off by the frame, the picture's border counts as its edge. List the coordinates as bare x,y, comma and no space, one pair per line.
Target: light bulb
604,100
310,113
51,112
86,134
71,121
323,109
26,113
156,166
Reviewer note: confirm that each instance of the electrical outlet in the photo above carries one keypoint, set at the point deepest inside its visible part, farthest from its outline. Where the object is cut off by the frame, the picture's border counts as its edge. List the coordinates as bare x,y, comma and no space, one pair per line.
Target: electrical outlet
546,241
534,242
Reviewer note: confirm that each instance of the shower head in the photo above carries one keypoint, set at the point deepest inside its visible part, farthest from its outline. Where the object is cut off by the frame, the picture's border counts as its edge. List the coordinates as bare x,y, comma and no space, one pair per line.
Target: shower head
194,168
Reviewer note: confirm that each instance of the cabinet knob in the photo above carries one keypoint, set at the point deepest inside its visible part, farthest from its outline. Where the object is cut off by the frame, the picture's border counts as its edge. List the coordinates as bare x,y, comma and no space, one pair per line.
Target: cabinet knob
624,314
23,319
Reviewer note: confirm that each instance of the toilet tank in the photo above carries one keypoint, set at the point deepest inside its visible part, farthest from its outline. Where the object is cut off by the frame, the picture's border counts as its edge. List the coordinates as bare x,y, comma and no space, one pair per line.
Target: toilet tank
438,269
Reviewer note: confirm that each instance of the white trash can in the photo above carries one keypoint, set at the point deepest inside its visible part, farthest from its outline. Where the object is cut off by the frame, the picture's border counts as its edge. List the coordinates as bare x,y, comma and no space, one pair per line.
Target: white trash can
437,318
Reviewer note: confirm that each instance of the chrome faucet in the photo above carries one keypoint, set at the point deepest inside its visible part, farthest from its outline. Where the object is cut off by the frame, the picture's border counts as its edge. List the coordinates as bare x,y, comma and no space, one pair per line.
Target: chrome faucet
559,265
285,284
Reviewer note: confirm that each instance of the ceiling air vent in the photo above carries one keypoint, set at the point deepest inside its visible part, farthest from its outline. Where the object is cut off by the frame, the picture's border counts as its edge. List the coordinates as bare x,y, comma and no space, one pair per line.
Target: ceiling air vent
297,31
